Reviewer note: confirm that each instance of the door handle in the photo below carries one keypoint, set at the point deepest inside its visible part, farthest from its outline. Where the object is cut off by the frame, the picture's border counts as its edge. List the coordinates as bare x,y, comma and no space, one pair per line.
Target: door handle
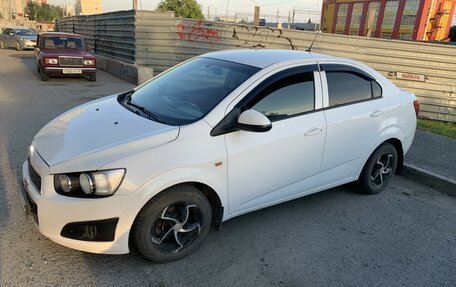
313,132
375,113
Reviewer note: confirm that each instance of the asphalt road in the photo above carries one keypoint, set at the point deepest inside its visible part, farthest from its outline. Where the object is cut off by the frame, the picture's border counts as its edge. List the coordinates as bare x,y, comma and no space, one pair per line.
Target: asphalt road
405,236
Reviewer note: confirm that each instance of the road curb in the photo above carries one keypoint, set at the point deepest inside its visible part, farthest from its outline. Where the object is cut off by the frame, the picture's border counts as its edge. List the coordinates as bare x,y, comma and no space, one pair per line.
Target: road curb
429,178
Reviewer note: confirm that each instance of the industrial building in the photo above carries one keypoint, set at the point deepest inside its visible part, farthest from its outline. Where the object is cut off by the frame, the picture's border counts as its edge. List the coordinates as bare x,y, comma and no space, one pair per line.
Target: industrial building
88,7
423,20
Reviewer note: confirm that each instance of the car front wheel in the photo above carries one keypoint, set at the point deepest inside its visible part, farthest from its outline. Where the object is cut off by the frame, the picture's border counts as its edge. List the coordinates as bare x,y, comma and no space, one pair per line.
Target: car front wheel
379,169
19,47
172,224
44,75
2,45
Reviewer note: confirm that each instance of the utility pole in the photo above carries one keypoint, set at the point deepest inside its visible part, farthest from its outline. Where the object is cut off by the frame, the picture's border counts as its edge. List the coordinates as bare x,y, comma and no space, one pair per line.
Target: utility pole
208,13
135,4
277,17
227,7
289,12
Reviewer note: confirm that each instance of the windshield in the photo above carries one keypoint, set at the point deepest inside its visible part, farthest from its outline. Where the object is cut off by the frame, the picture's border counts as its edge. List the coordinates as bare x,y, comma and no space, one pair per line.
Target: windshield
57,42
189,92
24,32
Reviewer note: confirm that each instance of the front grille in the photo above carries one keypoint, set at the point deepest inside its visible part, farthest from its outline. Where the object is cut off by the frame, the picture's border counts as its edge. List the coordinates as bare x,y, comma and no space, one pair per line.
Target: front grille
35,178
71,61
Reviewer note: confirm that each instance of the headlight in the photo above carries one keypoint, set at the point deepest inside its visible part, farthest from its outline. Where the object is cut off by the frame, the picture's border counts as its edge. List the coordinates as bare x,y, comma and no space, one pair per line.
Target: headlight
89,184
51,61
89,62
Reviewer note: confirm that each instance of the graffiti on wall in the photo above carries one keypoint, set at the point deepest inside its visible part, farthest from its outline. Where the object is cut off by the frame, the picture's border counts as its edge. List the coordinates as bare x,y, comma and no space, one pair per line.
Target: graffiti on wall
260,37
196,32
243,36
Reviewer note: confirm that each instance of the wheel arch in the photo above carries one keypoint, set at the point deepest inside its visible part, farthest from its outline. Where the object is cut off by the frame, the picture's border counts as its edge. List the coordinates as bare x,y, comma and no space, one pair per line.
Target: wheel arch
397,144
400,153
210,194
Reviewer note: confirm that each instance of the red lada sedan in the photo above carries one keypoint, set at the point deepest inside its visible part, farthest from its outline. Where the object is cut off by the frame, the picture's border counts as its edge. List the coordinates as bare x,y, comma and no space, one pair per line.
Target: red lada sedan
64,54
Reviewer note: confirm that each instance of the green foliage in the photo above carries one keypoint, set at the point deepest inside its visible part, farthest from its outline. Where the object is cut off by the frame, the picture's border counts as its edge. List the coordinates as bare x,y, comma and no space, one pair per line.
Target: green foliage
452,35
447,129
182,8
44,12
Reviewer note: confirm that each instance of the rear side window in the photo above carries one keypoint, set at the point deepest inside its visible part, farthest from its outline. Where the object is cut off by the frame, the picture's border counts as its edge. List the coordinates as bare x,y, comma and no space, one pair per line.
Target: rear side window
290,96
346,87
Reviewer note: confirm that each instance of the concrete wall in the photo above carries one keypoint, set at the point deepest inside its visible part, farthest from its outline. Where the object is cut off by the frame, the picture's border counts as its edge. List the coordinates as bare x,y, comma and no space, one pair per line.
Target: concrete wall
157,41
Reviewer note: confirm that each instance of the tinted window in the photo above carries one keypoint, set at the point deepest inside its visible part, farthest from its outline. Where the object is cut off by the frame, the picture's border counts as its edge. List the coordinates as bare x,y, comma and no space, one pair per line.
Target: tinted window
346,87
187,93
57,42
376,89
287,97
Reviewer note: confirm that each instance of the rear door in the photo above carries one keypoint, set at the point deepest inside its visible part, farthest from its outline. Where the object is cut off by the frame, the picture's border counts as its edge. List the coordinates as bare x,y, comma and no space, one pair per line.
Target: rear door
7,37
354,109
266,168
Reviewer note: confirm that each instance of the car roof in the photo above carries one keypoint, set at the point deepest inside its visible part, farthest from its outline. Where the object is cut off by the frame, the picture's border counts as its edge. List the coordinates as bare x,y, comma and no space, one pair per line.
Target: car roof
60,34
264,57
18,27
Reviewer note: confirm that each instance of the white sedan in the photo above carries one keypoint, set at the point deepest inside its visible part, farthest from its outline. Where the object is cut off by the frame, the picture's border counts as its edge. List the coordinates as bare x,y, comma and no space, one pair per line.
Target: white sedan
215,137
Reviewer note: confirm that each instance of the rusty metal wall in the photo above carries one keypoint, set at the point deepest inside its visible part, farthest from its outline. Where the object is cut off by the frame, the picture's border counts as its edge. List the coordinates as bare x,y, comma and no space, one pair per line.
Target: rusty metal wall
159,40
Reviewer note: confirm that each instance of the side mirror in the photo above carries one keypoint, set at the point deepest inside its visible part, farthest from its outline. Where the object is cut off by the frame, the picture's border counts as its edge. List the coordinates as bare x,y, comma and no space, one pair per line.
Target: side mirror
254,121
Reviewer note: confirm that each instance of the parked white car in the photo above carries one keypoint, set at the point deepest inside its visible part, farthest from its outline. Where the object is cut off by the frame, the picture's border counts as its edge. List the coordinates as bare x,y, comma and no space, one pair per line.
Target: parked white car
218,136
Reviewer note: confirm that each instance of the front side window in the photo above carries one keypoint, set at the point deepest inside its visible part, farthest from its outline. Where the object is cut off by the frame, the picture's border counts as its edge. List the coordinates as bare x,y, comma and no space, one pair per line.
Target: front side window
188,92
287,97
349,87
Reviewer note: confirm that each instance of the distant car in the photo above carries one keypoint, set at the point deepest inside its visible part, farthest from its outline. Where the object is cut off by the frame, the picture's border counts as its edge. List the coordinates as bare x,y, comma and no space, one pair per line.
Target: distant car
64,54
18,37
218,136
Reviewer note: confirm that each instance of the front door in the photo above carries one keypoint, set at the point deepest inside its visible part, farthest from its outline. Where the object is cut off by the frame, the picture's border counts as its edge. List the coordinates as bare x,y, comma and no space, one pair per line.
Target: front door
270,167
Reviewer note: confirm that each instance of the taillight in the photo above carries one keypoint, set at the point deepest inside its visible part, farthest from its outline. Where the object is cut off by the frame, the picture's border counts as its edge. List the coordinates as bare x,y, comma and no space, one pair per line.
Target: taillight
416,105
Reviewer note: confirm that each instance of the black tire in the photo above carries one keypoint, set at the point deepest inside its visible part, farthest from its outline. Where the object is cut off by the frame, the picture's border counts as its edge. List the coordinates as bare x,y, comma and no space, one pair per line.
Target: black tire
172,224
2,45
92,77
44,76
379,169
18,46
38,68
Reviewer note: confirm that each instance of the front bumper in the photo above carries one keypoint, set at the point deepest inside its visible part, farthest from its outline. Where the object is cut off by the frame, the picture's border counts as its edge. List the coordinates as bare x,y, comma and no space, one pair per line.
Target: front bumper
53,213
60,71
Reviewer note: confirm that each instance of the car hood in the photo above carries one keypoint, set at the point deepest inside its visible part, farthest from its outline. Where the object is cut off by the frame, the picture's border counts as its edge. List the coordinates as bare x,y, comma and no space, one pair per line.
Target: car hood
27,37
92,135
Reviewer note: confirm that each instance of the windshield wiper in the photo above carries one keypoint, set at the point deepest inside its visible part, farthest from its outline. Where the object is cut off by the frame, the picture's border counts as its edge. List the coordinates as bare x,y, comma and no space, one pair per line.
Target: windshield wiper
151,115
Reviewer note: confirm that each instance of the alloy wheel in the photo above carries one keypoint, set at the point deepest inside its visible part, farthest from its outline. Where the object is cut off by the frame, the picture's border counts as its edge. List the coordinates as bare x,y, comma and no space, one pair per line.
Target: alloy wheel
178,226
383,170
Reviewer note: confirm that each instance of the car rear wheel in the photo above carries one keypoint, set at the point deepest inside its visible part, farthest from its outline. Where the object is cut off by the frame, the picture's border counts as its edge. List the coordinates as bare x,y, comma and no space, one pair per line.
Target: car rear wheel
18,46
379,169
44,76
172,224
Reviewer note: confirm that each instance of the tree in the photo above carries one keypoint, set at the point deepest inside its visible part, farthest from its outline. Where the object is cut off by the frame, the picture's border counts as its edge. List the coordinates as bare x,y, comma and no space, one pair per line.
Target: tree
452,34
182,8
44,12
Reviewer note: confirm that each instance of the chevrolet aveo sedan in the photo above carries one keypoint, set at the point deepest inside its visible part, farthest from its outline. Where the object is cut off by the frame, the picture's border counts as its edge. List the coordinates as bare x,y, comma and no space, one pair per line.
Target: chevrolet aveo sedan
215,137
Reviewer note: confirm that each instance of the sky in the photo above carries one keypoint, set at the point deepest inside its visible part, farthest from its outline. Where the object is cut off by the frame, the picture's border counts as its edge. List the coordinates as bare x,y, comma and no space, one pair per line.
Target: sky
218,7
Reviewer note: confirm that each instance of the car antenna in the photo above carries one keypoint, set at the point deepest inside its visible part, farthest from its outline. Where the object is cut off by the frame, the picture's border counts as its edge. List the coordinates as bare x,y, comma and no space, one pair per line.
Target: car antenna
311,45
